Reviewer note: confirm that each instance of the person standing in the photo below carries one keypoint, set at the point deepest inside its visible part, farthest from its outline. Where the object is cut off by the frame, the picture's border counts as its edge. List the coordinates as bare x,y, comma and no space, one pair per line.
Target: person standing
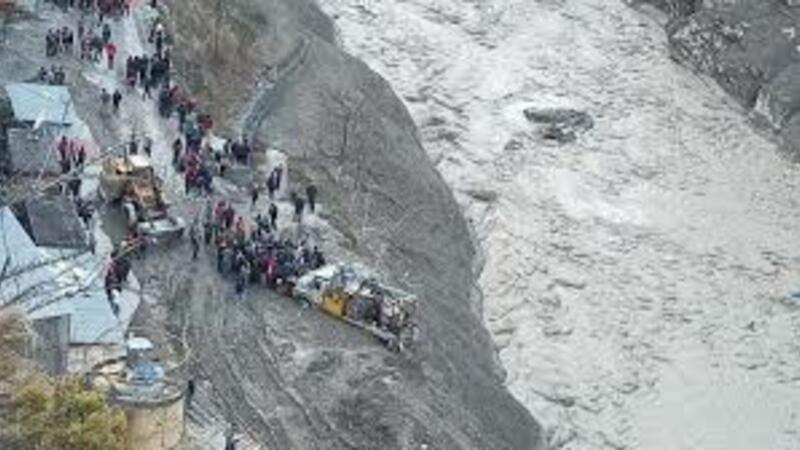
254,196
116,99
133,146
63,149
147,85
111,53
311,193
271,185
81,156
230,438
106,32
105,98
273,216
190,387
148,146
278,177
243,276
194,241
221,253
299,205
177,149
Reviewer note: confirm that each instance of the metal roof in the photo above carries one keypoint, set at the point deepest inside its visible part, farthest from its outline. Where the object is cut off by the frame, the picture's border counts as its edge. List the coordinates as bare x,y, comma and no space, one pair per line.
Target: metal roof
54,222
32,152
18,251
41,103
72,286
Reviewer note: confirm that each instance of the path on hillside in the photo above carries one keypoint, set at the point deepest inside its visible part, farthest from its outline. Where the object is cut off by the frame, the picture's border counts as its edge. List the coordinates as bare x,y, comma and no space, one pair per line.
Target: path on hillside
240,346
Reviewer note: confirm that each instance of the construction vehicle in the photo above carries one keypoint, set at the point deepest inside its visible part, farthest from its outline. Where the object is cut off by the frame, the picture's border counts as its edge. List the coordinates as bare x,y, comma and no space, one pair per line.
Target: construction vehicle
132,181
350,293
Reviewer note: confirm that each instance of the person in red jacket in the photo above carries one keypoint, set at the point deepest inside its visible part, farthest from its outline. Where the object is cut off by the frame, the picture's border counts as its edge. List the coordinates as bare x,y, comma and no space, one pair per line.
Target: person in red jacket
111,52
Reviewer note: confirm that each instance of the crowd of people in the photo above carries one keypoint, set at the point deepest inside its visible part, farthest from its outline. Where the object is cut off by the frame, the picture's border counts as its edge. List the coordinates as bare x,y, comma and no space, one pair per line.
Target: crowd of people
251,249
56,76
248,250
71,154
59,40
254,252
104,8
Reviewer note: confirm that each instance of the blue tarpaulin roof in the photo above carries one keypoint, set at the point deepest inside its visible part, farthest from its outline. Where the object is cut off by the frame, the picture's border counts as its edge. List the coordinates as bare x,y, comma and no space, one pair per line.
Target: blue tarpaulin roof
41,103
71,287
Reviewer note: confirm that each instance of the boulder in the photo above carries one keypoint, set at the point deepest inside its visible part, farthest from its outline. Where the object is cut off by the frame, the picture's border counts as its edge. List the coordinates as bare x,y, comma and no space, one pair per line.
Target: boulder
562,125
780,98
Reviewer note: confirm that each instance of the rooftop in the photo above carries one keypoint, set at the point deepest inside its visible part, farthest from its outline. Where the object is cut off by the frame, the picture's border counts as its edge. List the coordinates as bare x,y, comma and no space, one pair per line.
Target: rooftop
50,282
32,152
41,103
53,222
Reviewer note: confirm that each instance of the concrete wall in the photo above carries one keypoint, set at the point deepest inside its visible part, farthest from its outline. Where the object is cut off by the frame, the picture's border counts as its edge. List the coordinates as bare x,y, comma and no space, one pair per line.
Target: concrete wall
156,428
51,345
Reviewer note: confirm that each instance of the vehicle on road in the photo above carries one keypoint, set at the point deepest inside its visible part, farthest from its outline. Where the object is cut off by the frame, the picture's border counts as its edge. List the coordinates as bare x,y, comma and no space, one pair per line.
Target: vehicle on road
132,182
352,294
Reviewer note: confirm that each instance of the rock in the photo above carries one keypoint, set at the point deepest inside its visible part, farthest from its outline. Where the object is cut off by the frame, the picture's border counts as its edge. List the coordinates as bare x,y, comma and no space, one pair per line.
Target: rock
483,195
740,44
780,98
562,125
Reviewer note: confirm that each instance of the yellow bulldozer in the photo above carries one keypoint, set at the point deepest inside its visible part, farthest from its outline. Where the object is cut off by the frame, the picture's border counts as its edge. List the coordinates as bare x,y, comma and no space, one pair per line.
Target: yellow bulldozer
350,293
132,181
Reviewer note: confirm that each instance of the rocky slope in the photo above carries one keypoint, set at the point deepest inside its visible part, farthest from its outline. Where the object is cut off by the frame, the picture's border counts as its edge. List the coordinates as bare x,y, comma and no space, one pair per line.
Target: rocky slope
752,49
6,115
272,67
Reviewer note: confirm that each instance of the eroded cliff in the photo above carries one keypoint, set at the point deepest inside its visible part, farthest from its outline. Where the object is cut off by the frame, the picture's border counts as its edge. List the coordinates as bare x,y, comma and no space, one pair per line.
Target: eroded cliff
750,47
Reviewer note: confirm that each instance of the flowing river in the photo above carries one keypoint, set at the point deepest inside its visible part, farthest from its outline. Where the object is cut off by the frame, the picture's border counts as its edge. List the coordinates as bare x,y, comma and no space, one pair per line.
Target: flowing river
637,280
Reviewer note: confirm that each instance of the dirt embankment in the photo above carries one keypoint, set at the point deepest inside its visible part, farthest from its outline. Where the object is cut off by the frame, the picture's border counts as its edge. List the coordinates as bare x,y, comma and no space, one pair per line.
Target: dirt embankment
752,49
273,66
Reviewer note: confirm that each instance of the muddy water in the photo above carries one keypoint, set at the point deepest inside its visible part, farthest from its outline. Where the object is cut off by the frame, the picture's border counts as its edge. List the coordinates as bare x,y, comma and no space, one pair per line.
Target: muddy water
636,280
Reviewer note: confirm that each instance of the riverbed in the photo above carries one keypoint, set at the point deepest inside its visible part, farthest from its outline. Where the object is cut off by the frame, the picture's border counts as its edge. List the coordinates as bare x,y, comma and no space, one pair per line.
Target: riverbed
637,280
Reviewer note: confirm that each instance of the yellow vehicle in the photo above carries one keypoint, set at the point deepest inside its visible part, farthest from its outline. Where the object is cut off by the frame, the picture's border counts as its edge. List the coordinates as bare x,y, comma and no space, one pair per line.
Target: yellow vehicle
132,181
133,178
349,293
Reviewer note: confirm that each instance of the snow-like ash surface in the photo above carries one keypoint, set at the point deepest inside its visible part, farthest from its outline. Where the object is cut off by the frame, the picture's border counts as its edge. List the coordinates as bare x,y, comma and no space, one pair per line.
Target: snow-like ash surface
636,280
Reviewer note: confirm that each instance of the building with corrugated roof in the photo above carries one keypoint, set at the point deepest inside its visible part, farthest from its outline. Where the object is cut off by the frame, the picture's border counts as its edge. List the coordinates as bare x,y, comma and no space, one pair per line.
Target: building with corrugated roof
52,221
49,282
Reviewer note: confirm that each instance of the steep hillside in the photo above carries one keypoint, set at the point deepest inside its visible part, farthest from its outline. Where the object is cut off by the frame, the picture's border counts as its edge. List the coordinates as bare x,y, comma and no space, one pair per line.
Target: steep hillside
272,67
